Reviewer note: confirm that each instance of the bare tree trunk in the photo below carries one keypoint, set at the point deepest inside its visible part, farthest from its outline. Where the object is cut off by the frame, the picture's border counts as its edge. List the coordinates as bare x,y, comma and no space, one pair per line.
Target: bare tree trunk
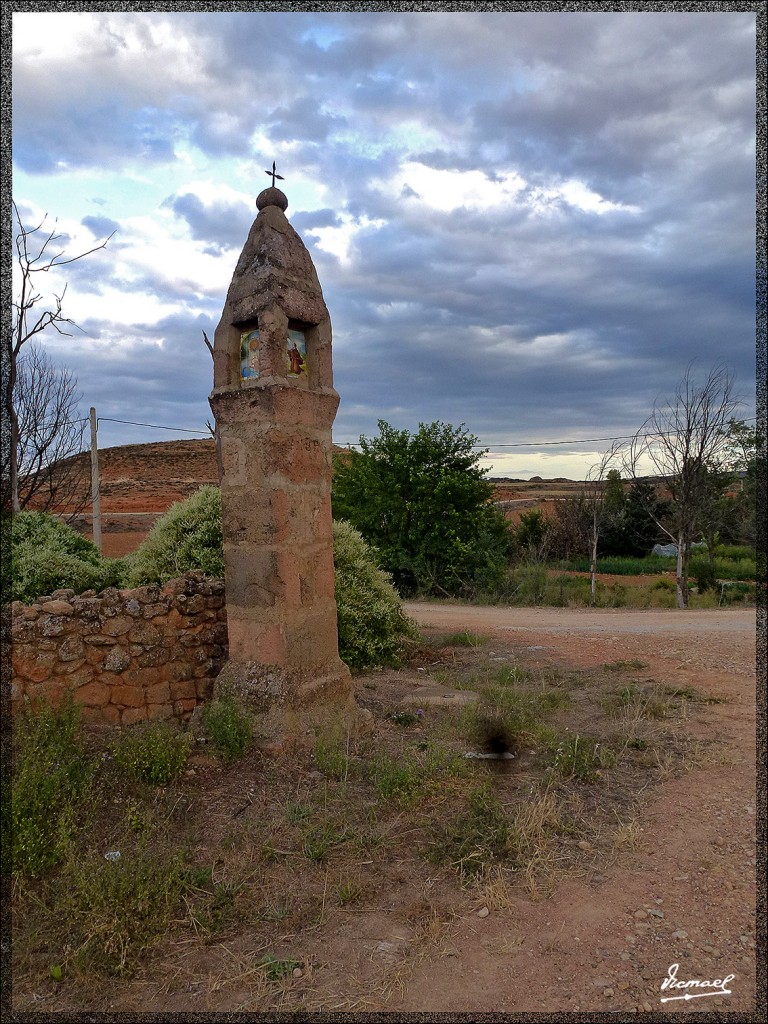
593,569
682,570
14,454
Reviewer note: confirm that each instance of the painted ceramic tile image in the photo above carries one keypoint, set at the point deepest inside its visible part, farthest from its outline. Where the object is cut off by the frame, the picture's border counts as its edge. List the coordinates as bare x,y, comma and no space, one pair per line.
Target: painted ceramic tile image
249,355
297,354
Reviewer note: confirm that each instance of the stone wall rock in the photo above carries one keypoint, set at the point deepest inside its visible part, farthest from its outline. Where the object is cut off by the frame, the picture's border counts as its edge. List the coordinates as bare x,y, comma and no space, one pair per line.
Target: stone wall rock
123,655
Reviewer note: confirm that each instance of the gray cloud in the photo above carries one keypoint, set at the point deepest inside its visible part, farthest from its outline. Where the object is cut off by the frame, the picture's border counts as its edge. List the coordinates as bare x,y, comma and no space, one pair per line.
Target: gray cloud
222,225
100,227
521,320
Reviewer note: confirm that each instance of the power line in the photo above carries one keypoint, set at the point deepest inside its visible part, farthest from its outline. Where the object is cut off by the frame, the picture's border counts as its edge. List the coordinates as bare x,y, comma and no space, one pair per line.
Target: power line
542,444
486,445
155,426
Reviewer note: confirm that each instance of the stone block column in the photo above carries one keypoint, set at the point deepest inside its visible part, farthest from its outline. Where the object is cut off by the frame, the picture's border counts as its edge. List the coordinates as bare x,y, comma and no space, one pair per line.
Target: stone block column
274,404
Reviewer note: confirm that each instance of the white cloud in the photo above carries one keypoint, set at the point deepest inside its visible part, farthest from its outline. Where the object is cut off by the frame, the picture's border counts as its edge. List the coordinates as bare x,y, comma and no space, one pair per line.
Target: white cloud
450,190
338,241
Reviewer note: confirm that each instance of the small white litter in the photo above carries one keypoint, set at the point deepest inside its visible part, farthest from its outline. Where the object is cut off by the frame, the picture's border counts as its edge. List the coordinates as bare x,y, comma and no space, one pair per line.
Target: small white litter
112,855
506,756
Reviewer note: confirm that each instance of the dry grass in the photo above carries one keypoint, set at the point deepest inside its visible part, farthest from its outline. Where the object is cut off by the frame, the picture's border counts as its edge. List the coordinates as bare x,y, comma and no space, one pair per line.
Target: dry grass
319,883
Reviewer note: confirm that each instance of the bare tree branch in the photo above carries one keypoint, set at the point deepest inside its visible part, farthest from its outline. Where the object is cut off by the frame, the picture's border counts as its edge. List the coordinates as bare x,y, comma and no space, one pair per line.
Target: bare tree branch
51,436
37,252
685,440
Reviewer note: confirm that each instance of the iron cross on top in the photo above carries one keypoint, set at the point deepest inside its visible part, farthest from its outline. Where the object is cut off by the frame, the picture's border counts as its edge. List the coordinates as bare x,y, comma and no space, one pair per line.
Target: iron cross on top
274,174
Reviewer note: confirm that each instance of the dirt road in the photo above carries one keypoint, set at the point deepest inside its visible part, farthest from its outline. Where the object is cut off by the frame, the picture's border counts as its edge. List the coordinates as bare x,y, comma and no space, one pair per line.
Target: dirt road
685,892
585,620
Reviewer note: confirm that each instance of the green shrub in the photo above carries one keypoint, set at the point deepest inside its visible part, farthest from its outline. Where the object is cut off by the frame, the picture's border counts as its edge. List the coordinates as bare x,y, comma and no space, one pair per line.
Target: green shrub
117,908
154,753
742,568
48,555
529,583
187,537
50,780
228,725
665,584
734,552
372,625
705,577
733,593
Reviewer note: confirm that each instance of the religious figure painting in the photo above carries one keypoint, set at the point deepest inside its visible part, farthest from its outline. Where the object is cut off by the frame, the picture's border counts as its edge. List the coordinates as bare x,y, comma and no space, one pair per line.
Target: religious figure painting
249,355
297,354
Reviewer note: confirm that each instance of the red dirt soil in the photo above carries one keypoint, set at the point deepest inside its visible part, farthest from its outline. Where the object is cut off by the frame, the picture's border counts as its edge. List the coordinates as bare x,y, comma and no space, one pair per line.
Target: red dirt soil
684,894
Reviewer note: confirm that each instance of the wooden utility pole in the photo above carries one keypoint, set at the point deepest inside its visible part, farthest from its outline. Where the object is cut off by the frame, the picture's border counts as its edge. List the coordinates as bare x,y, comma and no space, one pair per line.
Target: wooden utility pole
96,496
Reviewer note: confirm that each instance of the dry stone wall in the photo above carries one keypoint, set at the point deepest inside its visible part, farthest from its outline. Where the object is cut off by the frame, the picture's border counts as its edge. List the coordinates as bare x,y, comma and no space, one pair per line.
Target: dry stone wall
124,655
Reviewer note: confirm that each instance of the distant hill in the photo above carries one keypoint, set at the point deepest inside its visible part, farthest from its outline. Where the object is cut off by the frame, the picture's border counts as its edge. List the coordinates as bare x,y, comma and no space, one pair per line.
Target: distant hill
139,482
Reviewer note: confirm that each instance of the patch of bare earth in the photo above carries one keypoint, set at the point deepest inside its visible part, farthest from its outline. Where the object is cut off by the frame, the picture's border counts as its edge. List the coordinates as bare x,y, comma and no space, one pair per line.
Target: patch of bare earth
325,894
684,891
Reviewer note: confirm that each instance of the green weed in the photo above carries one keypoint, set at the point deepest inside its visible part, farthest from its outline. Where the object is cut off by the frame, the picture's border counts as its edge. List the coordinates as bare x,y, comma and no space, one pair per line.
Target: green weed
466,638
275,969
509,714
50,784
621,666
296,812
320,839
510,675
348,891
692,694
154,753
216,911
228,725
582,758
332,756
412,776
116,909
476,838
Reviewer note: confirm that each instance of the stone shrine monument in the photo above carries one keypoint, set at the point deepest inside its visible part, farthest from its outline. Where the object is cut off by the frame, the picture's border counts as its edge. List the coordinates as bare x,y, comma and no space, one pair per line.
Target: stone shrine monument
274,404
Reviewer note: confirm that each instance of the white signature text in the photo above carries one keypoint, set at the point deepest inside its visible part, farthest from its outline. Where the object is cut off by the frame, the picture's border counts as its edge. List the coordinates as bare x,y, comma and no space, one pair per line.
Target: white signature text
718,987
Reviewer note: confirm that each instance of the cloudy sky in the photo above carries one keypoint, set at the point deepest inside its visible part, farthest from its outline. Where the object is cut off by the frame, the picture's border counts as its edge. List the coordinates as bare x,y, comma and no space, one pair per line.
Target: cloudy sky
526,222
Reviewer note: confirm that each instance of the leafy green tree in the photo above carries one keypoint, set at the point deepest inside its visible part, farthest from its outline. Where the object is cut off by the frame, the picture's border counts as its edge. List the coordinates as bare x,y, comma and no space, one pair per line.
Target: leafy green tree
422,500
645,508
531,532
615,499
743,446
632,528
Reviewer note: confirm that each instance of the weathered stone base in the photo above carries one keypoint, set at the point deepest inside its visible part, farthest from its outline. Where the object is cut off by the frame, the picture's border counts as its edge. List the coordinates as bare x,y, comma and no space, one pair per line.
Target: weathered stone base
291,708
